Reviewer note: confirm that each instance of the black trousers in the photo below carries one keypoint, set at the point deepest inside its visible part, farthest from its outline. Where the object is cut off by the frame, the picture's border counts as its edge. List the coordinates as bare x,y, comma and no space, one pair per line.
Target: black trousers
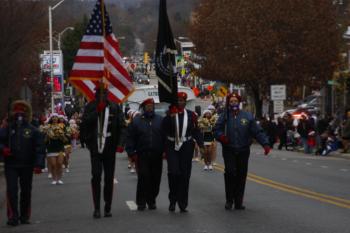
149,173
283,141
236,169
24,177
179,173
102,163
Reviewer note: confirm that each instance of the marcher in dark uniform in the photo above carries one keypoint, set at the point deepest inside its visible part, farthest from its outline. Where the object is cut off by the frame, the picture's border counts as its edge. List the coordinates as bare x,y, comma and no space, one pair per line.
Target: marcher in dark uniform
24,153
180,150
103,122
235,130
145,141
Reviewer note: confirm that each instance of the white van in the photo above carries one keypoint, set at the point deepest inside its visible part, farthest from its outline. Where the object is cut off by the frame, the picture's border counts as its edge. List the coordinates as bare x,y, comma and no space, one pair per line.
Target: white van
151,91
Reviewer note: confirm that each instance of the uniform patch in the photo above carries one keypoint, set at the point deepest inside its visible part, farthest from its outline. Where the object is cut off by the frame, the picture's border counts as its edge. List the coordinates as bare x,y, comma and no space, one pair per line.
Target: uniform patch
244,121
27,133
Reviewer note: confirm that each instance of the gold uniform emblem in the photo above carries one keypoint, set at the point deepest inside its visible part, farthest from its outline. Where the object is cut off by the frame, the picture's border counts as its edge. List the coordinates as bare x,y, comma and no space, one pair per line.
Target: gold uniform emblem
244,121
27,133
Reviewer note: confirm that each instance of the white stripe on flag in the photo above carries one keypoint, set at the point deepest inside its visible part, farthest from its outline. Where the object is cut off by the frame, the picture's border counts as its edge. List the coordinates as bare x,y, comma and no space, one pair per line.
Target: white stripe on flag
115,54
87,38
88,66
116,92
90,53
118,75
90,85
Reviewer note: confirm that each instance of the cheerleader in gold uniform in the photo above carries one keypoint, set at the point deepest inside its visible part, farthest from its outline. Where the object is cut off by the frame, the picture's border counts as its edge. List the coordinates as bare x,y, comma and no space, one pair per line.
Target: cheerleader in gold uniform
55,138
206,124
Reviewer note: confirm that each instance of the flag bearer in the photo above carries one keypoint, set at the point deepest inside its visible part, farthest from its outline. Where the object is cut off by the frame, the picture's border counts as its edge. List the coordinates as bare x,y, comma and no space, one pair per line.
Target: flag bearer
104,123
179,148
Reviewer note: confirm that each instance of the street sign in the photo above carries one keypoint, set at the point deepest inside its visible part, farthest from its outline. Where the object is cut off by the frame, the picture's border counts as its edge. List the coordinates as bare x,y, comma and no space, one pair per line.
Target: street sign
278,106
332,82
222,91
278,92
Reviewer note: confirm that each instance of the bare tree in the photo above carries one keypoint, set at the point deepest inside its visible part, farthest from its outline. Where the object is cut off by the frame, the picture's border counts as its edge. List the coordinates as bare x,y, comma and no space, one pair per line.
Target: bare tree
259,43
22,30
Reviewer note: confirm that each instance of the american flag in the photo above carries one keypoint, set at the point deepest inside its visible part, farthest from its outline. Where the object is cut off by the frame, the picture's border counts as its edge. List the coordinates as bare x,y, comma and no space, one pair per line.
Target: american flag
99,56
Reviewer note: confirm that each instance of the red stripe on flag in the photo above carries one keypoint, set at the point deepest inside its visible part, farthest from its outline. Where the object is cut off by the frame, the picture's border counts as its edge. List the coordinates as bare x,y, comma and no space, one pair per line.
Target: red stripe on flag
113,43
118,66
91,45
87,59
113,98
80,85
86,73
119,85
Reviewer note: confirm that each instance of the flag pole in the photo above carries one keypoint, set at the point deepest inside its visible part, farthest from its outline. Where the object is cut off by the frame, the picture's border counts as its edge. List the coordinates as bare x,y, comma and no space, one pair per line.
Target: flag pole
175,100
102,81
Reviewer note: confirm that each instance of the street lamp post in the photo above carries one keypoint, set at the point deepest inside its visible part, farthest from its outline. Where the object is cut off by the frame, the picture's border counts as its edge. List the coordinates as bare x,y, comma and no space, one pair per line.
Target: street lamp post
346,36
60,35
51,53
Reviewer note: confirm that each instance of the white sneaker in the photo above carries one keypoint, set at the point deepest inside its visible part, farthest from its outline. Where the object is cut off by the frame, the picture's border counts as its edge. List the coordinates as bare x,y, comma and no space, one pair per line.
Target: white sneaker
49,176
205,168
59,182
115,181
54,182
132,170
67,170
210,167
129,165
45,169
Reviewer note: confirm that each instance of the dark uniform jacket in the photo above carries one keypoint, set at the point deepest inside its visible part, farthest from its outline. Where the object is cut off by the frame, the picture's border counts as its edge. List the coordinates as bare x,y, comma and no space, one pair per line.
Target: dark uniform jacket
116,126
144,135
240,129
27,146
192,128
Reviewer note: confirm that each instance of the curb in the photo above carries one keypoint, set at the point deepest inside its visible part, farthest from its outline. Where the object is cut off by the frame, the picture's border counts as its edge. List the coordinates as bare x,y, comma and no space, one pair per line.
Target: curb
2,186
340,155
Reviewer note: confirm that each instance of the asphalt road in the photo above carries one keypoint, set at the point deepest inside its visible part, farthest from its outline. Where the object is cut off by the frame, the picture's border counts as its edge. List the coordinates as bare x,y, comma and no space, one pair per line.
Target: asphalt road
286,192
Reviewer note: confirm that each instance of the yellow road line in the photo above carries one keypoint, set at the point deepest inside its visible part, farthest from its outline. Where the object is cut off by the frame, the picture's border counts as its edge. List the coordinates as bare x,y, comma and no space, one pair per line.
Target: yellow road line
295,190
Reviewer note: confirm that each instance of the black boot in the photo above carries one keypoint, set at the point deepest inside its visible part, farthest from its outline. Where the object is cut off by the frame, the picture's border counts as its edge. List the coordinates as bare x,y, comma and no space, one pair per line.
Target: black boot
228,205
12,222
108,213
24,220
172,206
152,206
229,191
97,214
239,207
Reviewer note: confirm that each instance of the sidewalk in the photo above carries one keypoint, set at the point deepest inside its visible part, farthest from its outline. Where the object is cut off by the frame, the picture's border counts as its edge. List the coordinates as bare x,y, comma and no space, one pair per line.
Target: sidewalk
2,186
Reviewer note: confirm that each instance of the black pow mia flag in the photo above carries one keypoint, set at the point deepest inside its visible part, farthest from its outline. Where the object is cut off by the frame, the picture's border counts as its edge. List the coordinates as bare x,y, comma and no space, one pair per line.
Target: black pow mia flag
165,58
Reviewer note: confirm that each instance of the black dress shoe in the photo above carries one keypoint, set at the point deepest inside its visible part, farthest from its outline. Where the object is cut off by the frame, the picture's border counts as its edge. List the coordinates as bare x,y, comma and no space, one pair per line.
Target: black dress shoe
97,214
152,206
25,221
108,214
141,207
12,222
228,205
172,207
183,210
239,207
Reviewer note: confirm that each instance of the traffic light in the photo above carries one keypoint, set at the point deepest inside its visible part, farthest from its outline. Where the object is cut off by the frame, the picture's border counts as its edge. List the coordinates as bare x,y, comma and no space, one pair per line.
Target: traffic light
145,58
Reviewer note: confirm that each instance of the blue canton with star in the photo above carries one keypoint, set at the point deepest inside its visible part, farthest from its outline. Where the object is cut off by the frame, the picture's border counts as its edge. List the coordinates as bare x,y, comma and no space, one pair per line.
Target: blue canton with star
94,27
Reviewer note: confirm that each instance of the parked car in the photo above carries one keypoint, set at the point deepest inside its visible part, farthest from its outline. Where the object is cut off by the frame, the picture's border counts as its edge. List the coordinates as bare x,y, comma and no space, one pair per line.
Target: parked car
310,101
143,79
